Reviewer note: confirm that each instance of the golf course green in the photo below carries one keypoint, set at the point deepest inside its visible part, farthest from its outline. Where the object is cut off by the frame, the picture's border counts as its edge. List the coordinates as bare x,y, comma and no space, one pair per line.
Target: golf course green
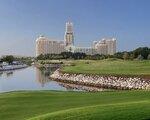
65,105
110,67
59,105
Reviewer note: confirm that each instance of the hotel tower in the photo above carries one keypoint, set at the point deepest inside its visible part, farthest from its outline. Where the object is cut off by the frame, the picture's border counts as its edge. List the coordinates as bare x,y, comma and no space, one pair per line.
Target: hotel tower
69,35
44,45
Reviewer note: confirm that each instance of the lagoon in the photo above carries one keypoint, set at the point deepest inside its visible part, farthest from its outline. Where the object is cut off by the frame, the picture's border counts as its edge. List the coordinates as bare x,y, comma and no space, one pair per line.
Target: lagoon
32,78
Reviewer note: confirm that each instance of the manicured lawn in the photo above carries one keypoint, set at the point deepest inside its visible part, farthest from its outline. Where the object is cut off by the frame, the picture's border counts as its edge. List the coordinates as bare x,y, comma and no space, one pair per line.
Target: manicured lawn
110,67
56,105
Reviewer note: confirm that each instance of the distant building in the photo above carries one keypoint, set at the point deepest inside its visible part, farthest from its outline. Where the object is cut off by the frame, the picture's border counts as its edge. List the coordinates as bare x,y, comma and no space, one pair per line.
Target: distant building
69,35
106,46
111,45
86,50
49,46
101,48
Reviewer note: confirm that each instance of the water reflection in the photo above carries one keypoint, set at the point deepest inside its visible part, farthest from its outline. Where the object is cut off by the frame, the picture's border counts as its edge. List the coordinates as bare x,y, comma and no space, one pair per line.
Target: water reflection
1,73
7,73
32,78
42,76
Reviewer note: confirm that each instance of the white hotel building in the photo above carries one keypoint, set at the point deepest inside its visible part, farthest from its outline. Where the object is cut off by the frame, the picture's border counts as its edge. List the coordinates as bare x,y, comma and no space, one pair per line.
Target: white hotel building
106,46
50,46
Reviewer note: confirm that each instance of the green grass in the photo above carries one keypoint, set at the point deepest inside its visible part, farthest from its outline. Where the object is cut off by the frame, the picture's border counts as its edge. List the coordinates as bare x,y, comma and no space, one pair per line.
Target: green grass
110,67
56,105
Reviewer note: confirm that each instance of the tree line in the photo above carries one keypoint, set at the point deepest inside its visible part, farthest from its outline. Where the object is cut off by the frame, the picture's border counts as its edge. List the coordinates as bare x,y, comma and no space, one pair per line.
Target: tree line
10,58
139,53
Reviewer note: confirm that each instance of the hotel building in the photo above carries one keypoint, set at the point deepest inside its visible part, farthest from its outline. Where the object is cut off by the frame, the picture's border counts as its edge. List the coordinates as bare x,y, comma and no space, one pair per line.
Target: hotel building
106,46
51,46
69,35
86,50
48,46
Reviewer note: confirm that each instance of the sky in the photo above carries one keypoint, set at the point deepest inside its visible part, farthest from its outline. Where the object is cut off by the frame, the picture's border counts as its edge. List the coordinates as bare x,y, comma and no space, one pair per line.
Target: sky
22,21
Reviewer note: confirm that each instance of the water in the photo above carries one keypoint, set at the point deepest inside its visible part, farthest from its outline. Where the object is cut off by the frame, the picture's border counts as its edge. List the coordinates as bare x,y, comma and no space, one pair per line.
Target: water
32,78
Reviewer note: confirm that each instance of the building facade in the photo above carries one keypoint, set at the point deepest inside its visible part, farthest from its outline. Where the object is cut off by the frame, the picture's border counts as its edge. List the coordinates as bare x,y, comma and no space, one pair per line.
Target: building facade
86,50
69,34
101,48
106,46
48,46
111,46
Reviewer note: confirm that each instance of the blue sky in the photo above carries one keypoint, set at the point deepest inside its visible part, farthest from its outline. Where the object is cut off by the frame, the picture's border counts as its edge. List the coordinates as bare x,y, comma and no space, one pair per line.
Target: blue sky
22,21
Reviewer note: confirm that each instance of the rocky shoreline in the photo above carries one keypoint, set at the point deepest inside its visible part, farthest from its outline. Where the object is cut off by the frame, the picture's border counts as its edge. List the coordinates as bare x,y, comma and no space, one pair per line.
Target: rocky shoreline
111,82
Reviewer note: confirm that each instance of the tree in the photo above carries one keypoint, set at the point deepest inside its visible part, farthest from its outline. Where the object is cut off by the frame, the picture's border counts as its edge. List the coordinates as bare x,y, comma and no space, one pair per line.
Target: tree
8,58
119,55
131,56
40,57
66,55
144,51
79,55
126,56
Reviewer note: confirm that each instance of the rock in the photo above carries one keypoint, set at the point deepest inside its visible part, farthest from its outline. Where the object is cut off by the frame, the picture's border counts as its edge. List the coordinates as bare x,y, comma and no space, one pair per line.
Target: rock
102,81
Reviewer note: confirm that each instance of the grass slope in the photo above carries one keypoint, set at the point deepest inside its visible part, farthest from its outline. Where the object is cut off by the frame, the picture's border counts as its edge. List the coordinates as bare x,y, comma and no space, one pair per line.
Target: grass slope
110,67
55,105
